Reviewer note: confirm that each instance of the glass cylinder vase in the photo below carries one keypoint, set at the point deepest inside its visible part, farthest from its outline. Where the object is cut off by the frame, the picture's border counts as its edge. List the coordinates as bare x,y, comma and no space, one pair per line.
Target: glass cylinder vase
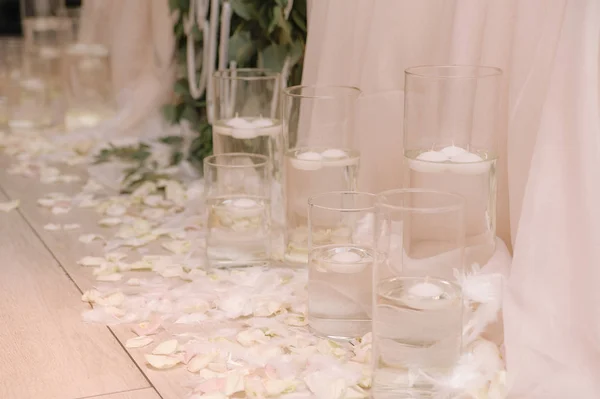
340,263
88,80
247,119
320,155
418,307
451,122
237,195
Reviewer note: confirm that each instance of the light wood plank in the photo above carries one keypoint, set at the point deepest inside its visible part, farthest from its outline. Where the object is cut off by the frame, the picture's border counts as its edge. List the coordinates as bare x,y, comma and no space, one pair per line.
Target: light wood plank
148,393
68,250
47,351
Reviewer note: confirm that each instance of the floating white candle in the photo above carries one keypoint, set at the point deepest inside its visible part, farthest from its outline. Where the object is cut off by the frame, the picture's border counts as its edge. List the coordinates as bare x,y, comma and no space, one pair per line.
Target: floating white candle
425,290
333,153
241,123
345,262
244,203
430,162
262,122
469,164
452,151
309,160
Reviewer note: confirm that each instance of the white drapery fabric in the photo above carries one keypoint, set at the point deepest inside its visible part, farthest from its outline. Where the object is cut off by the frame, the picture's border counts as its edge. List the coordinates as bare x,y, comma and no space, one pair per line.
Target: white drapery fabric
549,167
139,36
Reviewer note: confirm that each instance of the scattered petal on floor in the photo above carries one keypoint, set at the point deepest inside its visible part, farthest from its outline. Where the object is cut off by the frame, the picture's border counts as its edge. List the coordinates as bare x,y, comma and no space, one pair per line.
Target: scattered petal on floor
9,205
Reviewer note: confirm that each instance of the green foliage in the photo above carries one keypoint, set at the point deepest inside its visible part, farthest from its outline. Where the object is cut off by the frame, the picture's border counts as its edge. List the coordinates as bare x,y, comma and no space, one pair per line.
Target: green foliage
261,36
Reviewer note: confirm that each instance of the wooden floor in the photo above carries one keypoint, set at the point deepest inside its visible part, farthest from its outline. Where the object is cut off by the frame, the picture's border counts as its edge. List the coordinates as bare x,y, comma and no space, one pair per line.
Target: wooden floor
47,351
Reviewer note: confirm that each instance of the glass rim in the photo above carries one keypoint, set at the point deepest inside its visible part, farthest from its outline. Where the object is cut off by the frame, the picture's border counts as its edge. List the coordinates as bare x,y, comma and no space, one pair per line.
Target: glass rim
289,91
457,206
425,72
211,160
225,74
312,198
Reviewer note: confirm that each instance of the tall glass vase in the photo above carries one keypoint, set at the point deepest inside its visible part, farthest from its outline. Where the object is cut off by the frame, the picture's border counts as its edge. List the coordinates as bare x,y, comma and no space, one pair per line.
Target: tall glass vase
451,121
320,155
418,306
247,119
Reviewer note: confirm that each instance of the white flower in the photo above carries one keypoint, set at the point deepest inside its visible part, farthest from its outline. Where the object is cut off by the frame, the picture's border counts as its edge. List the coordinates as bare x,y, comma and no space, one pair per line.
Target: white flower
324,387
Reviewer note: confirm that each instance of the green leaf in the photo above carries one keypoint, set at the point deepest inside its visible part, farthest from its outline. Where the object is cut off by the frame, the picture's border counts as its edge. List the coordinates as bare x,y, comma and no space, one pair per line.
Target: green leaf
169,113
184,5
173,5
243,9
274,57
182,87
275,21
296,52
282,3
171,140
196,33
241,47
299,20
191,114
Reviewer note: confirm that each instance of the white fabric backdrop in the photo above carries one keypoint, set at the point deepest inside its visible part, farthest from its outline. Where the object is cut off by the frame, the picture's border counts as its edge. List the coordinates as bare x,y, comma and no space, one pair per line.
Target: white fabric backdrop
549,168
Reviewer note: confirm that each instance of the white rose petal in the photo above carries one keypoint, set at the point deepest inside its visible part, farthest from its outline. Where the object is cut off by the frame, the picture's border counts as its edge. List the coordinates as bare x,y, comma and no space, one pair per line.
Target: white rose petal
91,261
177,247
277,387
144,190
162,362
116,210
200,362
234,382
71,226
52,227
109,222
60,210
9,206
46,202
166,348
110,277
88,238
115,299
138,342
134,282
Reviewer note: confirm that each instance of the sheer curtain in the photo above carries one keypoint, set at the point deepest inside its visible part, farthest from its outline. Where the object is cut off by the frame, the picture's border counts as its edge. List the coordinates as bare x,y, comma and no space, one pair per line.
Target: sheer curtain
549,168
139,35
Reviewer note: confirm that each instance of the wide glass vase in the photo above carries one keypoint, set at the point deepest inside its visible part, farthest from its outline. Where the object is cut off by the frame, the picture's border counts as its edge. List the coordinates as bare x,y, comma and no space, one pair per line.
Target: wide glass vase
451,122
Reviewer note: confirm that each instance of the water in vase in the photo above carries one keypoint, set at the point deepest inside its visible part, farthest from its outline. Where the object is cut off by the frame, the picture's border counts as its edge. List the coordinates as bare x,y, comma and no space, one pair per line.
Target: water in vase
340,290
261,136
417,331
88,85
238,231
310,171
470,174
